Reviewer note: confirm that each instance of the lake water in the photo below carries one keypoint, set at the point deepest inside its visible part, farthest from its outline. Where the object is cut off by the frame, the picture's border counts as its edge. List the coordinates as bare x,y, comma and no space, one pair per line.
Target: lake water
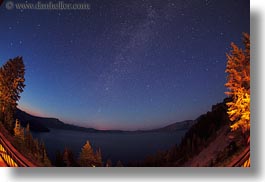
115,146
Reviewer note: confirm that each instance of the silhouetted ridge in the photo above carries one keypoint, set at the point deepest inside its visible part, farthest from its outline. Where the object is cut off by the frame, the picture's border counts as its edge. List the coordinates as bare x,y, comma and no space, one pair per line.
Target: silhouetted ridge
198,137
41,124
184,125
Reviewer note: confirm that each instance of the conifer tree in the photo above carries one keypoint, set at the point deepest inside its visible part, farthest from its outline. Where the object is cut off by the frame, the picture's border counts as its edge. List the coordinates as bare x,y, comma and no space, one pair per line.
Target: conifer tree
36,150
238,83
28,138
19,131
11,85
46,161
9,118
68,158
98,158
87,158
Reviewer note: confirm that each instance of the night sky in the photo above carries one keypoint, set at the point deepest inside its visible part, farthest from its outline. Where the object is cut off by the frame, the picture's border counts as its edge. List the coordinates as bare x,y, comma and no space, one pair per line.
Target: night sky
135,64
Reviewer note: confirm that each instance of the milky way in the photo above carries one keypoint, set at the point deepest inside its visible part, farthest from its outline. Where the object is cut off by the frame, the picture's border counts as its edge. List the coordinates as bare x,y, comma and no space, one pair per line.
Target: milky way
124,64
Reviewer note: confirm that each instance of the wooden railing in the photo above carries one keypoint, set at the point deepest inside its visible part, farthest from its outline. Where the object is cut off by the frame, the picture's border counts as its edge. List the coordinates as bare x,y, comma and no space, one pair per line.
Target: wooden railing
11,156
241,159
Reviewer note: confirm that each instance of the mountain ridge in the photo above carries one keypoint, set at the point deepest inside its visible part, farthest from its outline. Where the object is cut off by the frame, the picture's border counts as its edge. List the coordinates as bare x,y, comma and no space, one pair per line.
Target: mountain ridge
43,124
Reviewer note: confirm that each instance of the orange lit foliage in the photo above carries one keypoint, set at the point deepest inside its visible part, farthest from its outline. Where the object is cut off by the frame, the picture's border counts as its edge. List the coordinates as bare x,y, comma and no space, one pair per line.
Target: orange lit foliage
89,158
11,86
238,83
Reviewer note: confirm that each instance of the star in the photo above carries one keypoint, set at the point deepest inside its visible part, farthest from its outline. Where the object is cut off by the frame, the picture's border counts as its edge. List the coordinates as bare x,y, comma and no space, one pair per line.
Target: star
126,55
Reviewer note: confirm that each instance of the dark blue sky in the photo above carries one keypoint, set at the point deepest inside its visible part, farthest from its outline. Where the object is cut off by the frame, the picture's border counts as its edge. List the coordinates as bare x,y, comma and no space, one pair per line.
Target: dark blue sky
124,64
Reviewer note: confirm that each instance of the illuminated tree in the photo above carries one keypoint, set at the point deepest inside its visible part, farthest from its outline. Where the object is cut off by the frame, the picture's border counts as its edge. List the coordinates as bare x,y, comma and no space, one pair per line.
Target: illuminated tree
68,158
28,138
98,158
19,131
41,154
19,137
11,85
87,158
238,83
8,118
46,161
